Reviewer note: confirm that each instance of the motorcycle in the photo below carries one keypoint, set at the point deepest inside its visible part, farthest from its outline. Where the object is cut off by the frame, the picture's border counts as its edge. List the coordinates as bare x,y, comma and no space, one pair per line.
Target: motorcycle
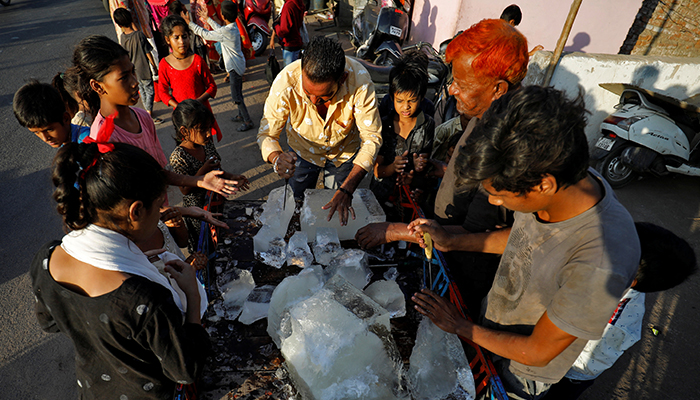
256,14
650,133
439,78
378,32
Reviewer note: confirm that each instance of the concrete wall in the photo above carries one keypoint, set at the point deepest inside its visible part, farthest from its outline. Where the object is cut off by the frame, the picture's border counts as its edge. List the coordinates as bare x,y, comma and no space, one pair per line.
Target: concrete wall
672,76
600,27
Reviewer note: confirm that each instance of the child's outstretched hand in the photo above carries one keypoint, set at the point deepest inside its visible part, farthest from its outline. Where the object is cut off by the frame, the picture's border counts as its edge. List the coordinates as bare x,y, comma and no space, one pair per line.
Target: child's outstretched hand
197,260
203,13
171,217
400,162
211,164
241,181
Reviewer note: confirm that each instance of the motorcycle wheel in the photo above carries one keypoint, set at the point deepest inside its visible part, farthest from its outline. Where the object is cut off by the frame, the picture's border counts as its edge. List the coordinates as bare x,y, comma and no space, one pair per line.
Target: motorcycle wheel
617,173
258,39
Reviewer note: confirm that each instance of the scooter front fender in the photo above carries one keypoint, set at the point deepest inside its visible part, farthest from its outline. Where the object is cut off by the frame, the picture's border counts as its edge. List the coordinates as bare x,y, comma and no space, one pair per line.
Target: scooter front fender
259,23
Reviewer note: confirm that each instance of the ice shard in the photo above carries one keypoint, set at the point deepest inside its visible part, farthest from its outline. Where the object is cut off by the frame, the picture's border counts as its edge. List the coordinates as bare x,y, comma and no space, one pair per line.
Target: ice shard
326,245
256,305
352,265
298,251
235,292
341,346
388,294
365,205
276,214
439,369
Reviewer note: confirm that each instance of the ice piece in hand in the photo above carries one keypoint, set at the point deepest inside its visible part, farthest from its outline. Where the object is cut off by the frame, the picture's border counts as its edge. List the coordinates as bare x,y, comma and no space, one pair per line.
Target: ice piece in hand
257,305
352,265
439,367
341,346
298,251
235,292
275,214
312,217
388,294
326,245
289,292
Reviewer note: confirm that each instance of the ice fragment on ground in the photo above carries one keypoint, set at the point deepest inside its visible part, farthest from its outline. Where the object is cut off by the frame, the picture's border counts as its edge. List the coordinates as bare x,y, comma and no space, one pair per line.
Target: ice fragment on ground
341,346
391,274
326,245
275,214
276,254
262,239
298,251
352,265
312,217
235,292
289,292
388,294
439,367
257,305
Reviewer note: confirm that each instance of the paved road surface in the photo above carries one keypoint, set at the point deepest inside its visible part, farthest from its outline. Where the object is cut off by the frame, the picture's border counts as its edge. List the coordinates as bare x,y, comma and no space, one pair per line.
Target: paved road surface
36,41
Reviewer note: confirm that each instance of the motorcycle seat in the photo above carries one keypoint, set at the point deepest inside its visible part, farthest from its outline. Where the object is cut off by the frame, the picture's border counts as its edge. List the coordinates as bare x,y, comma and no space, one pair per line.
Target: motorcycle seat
377,73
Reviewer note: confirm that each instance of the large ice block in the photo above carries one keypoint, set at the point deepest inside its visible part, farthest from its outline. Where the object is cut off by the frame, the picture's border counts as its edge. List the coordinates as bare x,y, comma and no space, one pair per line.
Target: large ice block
341,346
235,292
352,265
275,213
439,367
367,210
388,294
326,245
256,305
298,251
289,292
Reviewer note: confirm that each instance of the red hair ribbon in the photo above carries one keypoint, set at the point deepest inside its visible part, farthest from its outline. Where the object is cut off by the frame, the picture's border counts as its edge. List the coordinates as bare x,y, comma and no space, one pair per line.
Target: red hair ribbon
102,141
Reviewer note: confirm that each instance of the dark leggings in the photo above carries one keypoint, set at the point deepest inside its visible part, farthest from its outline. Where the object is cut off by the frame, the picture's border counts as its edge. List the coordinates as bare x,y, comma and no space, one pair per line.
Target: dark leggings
236,83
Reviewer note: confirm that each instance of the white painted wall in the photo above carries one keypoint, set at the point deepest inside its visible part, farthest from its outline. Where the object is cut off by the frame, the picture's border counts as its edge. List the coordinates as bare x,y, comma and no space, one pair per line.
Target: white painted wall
672,76
600,27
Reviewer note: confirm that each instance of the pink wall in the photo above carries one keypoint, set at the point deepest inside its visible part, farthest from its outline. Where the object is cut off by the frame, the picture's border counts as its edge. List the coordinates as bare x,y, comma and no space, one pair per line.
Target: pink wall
600,27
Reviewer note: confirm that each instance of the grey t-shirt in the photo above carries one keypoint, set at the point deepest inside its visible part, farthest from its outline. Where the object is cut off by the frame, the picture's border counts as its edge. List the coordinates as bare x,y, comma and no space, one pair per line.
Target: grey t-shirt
576,270
137,46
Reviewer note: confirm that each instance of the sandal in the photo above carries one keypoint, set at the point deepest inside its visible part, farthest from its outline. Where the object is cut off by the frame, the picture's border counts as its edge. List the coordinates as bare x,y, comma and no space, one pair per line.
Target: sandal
157,121
246,126
237,118
227,79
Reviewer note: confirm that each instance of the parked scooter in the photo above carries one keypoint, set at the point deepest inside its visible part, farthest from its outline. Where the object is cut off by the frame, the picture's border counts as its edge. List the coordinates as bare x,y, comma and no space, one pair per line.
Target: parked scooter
648,134
439,76
256,14
379,30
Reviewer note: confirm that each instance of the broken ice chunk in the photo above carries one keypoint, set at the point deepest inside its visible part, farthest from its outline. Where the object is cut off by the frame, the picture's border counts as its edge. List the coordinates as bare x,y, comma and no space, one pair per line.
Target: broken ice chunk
391,274
262,239
439,367
352,265
364,204
341,346
388,294
235,292
326,246
257,305
276,254
275,213
298,251
289,292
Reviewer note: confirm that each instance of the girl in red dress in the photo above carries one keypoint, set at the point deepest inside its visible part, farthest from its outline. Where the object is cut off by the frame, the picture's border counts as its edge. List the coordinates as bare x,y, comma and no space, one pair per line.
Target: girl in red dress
183,74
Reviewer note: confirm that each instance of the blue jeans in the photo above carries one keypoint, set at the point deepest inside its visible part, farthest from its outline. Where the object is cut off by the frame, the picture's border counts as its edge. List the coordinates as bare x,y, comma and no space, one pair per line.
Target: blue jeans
290,56
147,93
306,175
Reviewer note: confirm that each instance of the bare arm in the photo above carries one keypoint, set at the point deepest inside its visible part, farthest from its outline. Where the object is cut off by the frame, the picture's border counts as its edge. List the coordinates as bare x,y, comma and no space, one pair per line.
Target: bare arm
458,239
537,349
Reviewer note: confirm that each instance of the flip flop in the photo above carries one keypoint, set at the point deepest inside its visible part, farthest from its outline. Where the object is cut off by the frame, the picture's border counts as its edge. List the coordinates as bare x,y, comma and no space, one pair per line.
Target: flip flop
157,121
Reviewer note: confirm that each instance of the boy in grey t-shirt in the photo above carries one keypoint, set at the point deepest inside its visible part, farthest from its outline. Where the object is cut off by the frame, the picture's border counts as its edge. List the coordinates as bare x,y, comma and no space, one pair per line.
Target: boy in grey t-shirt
567,260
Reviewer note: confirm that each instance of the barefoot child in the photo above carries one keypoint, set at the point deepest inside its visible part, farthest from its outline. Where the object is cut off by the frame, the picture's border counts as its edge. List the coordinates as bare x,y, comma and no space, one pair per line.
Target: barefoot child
105,69
195,154
234,61
182,74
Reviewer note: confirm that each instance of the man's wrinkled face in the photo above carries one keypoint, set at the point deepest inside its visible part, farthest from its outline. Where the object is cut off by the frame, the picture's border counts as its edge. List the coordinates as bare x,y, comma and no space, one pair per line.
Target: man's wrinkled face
474,94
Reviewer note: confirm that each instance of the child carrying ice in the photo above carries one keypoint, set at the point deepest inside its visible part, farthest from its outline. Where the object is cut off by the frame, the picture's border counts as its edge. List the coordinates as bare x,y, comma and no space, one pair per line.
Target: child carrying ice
234,61
139,49
407,132
183,75
666,262
39,107
195,154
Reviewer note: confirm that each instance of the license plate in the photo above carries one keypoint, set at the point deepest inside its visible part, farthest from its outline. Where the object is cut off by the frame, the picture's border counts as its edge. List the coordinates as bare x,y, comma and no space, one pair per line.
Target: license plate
395,31
605,143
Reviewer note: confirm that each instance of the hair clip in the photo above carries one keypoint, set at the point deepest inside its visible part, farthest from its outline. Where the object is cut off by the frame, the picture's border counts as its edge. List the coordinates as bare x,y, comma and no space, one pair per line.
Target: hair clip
76,184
